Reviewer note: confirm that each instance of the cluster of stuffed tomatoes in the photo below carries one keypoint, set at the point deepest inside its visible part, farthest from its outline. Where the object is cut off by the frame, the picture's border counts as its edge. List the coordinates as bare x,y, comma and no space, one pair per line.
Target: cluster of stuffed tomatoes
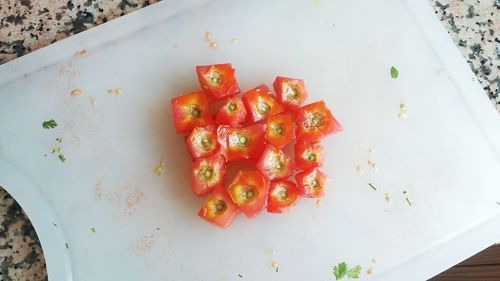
254,128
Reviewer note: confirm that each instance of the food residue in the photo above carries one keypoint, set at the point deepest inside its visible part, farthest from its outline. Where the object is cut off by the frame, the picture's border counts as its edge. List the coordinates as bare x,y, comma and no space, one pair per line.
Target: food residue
369,271
110,91
394,72
359,169
49,124
275,265
76,92
372,186
374,261
61,158
240,275
405,193
118,91
371,151
93,229
402,111
319,203
235,40
386,197
208,38
372,165
159,168
144,244
98,190
81,53
93,101
59,139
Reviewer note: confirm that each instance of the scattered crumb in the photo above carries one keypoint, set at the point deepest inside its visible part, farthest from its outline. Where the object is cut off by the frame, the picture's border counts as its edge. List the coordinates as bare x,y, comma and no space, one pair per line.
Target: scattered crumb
93,101
319,203
387,198
159,168
359,170
374,261
208,36
373,165
213,45
240,275
118,91
275,265
405,194
402,111
81,53
442,71
369,271
371,151
76,92
144,244
235,40
98,190
110,91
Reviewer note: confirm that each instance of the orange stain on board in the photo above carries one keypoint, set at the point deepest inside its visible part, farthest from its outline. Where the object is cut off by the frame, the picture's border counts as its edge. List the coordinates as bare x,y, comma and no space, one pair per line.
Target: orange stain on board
144,244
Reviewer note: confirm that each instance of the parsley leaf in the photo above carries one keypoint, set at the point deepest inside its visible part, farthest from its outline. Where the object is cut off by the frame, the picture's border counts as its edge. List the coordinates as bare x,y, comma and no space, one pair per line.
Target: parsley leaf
49,124
92,229
354,272
341,270
394,72
62,158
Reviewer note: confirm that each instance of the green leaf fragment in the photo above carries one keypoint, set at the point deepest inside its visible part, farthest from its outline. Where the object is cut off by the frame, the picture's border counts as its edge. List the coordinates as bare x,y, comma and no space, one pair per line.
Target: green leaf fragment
92,229
341,270
62,158
49,124
394,72
354,272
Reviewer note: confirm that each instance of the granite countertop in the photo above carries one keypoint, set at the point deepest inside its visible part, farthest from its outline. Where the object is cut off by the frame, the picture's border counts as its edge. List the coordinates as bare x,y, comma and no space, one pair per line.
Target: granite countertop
27,25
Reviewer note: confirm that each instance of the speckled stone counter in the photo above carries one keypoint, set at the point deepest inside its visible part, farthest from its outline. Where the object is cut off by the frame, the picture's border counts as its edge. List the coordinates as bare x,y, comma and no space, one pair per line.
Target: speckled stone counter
27,25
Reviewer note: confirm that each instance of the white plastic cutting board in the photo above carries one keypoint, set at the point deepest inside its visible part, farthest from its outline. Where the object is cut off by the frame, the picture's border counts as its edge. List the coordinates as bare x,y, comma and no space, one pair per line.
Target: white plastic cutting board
446,154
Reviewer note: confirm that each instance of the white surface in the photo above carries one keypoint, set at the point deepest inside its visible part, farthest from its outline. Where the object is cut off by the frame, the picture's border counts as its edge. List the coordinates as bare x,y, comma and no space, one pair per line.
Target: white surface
446,154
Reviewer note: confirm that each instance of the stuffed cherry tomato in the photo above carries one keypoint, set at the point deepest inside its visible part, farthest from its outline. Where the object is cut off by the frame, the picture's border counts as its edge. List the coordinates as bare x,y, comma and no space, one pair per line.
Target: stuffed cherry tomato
202,142
315,121
191,110
218,80
232,112
249,191
260,103
291,92
283,194
207,173
274,163
279,131
311,183
219,209
308,155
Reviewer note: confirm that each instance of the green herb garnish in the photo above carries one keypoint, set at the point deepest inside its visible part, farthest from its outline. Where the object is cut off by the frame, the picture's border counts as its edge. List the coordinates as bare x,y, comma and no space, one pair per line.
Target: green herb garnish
341,270
59,140
67,246
394,72
92,229
371,185
61,157
49,124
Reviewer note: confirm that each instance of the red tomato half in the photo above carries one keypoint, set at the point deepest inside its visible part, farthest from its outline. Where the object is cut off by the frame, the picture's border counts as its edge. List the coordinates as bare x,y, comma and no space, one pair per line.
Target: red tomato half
279,131
291,92
249,191
219,209
260,103
283,194
315,121
222,133
274,163
308,155
311,182
232,112
191,110
207,174
218,80
246,144
202,142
